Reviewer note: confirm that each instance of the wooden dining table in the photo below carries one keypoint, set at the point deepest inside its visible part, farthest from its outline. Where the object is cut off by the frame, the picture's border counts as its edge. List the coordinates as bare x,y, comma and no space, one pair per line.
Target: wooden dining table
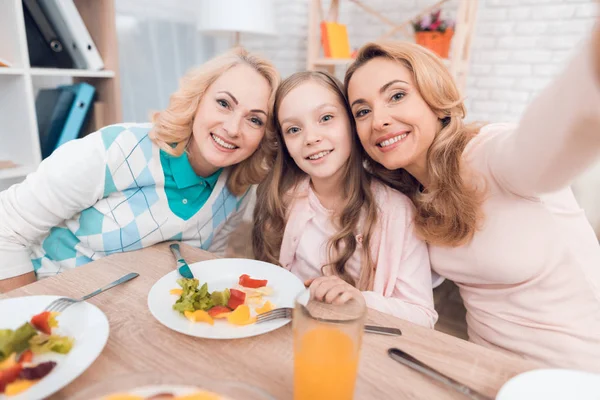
138,344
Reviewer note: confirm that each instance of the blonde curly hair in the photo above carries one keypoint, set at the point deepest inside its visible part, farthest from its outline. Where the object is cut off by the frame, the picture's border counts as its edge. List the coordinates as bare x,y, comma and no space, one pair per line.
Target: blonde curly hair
174,124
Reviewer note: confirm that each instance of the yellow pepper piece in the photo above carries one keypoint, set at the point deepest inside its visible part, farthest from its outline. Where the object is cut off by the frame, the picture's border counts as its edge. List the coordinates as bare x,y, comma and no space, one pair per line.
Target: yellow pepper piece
178,292
189,315
18,386
241,316
199,396
268,306
199,316
52,322
10,361
123,396
203,316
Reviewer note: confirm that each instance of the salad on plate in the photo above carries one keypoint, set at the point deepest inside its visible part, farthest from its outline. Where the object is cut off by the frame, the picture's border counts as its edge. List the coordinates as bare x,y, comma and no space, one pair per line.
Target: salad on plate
24,352
238,305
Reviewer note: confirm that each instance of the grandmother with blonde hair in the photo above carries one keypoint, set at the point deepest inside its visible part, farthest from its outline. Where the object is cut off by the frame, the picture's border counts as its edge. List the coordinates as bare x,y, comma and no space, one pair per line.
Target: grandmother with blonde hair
185,176
493,202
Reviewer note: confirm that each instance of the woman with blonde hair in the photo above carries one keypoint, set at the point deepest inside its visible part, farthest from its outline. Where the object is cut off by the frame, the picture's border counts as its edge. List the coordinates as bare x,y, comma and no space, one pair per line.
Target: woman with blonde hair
185,177
493,202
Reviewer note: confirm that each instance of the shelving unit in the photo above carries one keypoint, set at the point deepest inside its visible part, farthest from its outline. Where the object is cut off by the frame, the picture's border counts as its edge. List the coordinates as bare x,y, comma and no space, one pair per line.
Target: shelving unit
458,62
79,73
19,83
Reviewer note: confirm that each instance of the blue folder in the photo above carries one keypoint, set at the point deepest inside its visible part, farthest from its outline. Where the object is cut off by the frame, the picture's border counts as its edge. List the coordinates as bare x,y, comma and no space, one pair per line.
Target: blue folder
80,111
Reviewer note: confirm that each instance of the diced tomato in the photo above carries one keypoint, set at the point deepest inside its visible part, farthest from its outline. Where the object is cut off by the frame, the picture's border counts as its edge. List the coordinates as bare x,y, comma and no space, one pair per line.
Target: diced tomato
26,356
41,322
236,298
217,310
9,375
248,282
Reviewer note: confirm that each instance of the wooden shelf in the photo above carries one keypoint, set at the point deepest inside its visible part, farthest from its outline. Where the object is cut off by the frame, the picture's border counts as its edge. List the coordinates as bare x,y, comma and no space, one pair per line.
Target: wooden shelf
11,71
333,61
16,172
460,55
75,73
20,83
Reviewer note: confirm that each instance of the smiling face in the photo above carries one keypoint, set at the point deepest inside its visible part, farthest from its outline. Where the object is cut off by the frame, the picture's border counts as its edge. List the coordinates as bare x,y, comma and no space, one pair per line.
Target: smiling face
394,123
231,119
316,130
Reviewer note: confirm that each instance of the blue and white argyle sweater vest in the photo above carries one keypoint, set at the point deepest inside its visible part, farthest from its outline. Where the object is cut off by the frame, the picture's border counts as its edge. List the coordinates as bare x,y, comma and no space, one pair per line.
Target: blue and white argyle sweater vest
133,212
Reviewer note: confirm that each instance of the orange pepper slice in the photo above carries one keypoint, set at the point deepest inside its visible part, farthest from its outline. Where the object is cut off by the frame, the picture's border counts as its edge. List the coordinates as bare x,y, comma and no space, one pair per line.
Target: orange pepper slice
199,316
241,316
268,306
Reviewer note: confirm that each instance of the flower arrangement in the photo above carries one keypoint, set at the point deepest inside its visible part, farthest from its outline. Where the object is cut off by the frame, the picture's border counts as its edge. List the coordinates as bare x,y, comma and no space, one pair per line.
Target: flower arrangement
432,23
434,32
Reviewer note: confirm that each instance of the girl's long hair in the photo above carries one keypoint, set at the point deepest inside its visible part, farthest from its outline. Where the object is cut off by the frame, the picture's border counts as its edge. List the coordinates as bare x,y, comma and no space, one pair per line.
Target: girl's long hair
277,192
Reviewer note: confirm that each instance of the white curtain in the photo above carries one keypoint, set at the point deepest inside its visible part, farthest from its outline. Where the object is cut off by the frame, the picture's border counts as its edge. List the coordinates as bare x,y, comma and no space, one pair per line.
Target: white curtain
158,43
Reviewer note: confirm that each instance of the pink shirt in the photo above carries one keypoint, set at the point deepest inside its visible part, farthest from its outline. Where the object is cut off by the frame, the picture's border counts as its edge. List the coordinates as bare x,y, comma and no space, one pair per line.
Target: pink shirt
530,278
402,285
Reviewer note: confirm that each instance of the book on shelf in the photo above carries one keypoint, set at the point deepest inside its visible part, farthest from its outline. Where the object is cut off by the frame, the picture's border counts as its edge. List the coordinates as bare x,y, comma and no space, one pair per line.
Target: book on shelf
334,37
44,45
79,113
52,108
60,26
63,114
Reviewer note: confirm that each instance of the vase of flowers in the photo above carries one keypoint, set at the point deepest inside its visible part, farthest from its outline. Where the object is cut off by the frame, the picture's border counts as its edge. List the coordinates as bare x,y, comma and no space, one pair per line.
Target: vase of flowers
434,32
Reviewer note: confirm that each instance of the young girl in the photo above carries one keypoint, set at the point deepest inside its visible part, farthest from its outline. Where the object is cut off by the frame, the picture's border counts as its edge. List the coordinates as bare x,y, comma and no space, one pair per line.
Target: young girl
321,216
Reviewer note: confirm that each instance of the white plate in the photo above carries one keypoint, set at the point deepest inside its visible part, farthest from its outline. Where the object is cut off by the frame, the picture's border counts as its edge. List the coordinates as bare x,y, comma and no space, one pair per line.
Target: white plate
152,383
221,274
227,390
552,384
83,321
149,391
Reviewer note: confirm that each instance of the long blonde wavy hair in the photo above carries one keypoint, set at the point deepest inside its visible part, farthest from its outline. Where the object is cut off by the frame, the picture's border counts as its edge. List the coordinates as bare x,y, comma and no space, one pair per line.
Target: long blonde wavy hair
174,124
276,193
449,210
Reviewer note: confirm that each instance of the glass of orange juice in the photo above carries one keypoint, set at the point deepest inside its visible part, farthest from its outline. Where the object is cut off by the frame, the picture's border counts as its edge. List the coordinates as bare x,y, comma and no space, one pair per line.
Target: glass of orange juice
327,341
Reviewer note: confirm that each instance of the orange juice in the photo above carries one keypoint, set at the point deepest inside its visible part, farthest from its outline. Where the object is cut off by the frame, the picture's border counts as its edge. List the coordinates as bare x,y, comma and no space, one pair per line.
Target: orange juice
325,365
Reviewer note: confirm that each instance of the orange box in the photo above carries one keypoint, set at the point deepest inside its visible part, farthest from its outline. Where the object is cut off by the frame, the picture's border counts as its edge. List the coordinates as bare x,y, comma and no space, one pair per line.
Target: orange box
335,41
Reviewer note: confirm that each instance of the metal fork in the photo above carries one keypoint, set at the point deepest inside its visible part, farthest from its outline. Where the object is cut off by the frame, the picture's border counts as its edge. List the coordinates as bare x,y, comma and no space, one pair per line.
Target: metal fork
62,303
287,312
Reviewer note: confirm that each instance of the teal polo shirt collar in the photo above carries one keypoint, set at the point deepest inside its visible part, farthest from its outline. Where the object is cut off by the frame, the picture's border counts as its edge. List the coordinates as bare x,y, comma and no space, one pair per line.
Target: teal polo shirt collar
185,176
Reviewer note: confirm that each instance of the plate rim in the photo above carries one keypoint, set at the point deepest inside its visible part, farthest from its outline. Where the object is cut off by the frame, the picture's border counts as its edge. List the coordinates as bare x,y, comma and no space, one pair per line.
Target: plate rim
516,380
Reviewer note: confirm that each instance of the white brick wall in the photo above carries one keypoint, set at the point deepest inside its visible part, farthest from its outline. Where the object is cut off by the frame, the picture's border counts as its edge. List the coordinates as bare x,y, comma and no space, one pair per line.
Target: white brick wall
519,45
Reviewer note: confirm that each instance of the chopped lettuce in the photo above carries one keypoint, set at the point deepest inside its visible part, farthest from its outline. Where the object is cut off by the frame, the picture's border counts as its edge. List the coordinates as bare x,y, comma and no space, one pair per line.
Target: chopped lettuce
43,343
220,298
192,298
188,285
15,341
